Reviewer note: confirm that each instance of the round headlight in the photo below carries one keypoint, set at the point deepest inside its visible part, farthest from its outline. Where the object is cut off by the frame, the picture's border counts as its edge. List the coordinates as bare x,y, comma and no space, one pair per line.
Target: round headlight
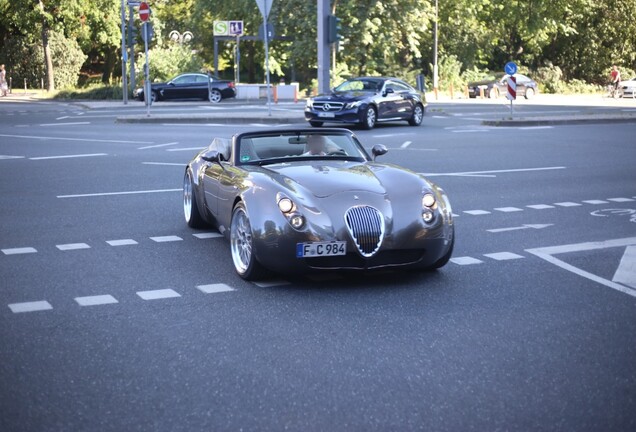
297,221
428,200
428,216
285,205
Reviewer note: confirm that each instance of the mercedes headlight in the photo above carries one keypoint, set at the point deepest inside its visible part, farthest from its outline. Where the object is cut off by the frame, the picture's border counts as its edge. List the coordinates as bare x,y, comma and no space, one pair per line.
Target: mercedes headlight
352,105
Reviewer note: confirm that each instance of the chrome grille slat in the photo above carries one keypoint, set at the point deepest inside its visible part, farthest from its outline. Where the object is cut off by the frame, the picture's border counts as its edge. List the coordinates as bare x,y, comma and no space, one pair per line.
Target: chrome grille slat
328,106
366,226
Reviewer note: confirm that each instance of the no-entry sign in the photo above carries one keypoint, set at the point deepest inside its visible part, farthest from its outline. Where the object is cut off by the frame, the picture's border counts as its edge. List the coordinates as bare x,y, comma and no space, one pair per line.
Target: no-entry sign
144,11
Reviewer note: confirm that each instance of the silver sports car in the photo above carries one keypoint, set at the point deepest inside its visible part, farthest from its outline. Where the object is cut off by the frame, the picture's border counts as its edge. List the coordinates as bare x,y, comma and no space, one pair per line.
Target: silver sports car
293,201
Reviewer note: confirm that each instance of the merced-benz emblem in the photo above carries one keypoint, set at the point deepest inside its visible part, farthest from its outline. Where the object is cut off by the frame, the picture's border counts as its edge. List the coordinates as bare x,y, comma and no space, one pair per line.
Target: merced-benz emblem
326,107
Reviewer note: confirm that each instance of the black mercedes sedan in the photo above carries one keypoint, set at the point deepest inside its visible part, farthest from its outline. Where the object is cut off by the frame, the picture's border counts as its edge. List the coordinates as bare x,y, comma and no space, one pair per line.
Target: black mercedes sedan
191,86
367,101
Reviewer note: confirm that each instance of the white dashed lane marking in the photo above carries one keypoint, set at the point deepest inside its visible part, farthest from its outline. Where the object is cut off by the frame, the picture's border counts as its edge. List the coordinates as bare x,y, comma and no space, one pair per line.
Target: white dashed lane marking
270,284
476,212
466,260
164,239
503,256
595,202
214,288
207,235
96,300
567,204
540,206
620,200
508,209
72,246
122,242
19,251
33,306
158,294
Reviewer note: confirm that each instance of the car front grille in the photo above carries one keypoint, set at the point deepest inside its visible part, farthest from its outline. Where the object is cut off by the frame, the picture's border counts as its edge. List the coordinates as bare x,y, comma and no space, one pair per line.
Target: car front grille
328,106
366,226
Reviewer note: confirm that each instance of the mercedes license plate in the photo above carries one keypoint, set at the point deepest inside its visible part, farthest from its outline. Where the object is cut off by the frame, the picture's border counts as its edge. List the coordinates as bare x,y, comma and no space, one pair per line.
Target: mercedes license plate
319,249
326,115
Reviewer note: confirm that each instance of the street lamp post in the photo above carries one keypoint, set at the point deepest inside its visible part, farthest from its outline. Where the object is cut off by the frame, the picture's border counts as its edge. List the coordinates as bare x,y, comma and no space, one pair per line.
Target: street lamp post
435,67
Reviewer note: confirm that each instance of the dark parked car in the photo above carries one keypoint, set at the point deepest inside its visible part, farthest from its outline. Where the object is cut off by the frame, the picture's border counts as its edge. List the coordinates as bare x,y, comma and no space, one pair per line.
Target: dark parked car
191,86
498,86
367,101
301,200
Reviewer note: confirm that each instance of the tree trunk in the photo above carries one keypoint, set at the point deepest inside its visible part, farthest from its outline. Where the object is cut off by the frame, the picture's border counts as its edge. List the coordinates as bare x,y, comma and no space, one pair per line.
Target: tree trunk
48,61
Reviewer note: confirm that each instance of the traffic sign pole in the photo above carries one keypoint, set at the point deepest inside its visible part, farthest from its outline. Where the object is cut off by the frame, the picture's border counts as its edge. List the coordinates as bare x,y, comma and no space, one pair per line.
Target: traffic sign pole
124,80
147,88
511,69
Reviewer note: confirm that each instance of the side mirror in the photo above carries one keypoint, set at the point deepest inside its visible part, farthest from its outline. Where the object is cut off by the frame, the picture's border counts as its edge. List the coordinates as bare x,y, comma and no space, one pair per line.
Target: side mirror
378,150
170,83
212,156
388,91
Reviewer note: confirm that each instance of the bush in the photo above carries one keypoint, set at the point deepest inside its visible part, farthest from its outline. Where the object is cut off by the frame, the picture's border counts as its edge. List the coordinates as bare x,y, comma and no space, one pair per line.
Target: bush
25,60
550,79
166,63
99,92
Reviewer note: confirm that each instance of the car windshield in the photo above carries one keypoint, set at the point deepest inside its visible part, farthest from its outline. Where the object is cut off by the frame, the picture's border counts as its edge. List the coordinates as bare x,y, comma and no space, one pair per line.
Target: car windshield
289,147
360,84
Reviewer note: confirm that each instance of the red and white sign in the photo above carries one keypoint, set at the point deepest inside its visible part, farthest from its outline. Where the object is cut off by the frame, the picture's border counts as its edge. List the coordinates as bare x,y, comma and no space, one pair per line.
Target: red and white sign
144,11
512,88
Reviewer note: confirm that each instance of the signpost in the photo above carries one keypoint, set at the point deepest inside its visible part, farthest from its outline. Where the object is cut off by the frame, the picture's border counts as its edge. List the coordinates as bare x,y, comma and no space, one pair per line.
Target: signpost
144,14
511,69
124,54
265,6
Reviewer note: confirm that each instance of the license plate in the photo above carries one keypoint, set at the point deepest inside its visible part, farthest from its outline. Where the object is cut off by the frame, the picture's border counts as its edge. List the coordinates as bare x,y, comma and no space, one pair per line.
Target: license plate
326,115
319,249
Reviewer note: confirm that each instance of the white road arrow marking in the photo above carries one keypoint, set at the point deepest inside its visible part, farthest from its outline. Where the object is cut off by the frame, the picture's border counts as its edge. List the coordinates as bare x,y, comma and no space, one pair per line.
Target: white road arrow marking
525,226
626,271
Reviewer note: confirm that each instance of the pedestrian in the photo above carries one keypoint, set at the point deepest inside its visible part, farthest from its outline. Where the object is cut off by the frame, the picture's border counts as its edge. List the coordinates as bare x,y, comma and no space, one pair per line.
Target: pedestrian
615,76
3,81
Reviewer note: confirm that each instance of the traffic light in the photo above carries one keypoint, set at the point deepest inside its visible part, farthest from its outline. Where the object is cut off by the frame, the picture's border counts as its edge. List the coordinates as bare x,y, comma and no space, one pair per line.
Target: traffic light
333,35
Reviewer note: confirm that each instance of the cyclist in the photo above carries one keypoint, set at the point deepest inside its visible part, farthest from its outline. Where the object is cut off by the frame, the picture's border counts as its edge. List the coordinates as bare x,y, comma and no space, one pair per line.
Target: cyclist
615,76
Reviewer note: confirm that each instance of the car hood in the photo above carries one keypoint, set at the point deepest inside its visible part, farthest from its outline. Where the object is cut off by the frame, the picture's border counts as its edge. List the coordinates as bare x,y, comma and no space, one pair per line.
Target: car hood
327,178
343,96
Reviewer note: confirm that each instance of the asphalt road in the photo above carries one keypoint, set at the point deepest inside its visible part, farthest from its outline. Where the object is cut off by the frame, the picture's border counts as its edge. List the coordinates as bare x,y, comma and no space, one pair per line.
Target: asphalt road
114,315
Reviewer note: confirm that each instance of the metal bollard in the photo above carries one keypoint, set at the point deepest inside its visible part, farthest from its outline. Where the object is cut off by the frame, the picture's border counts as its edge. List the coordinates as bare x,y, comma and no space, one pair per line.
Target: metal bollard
25,86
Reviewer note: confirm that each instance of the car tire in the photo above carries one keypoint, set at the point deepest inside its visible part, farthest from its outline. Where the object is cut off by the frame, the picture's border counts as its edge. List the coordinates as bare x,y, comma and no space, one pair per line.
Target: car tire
493,93
369,117
215,96
418,115
529,93
190,205
242,245
315,123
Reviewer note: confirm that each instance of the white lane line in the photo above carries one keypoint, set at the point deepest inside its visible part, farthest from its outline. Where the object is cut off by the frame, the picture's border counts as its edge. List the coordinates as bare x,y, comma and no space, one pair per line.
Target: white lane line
122,242
61,118
214,288
626,271
119,193
72,246
567,204
65,124
476,212
18,251
271,284
619,200
33,306
535,127
547,253
465,260
96,300
185,149
391,135
508,209
164,163
439,117
47,138
2,157
165,239
158,294
158,145
194,124
503,256
472,173
471,130
596,202
208,235
540,206
68,156
405,144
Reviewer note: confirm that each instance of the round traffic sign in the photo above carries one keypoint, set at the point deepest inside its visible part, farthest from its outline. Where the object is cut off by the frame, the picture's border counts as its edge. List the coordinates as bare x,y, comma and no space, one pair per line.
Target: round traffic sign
144,11
510,68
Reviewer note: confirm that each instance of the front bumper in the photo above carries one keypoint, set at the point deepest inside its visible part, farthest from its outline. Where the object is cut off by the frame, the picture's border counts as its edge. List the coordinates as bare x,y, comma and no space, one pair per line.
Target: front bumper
342,116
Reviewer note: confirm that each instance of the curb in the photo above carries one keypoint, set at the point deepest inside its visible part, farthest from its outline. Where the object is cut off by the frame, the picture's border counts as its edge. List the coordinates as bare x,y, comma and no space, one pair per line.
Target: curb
554,122
207,119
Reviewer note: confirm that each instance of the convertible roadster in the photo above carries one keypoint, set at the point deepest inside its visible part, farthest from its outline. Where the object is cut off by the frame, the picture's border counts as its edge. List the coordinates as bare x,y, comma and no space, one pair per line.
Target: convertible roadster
293,201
